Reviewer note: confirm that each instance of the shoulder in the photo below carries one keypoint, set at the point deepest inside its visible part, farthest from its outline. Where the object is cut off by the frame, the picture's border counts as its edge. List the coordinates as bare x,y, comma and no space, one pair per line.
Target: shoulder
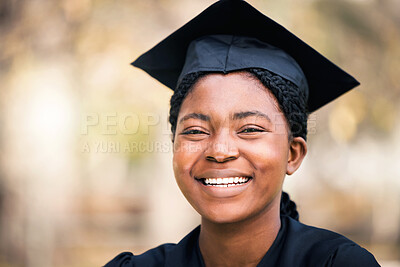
351,255
153,257
185,253
320,247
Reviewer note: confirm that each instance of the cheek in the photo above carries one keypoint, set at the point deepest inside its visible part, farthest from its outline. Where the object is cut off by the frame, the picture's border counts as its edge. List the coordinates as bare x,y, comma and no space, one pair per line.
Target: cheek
270,156
182,173
185,156
180,167
184,160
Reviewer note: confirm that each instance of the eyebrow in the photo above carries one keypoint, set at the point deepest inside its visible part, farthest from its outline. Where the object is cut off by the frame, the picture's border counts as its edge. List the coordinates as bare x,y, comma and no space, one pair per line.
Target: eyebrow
198,116
236,116
245,114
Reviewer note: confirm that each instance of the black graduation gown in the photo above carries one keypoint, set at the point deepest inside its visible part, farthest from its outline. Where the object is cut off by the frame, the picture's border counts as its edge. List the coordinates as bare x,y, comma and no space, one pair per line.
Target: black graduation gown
295,245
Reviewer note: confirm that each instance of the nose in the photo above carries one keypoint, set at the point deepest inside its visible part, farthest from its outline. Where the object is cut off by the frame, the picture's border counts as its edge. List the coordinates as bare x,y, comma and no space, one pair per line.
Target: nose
222,149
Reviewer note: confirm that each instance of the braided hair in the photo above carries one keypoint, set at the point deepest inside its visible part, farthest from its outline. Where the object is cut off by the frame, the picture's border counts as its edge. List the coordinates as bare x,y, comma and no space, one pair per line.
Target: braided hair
292,102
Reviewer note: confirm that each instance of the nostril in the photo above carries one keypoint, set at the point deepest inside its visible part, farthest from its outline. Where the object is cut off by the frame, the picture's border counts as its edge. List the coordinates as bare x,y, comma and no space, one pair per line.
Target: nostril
220,159
210,158
221,152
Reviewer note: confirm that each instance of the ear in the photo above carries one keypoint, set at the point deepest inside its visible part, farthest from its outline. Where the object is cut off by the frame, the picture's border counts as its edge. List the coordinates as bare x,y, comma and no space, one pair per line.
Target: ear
297,152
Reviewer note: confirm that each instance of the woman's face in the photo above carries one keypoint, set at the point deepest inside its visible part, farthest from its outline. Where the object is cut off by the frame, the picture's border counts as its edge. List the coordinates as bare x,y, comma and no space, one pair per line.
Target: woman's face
231,148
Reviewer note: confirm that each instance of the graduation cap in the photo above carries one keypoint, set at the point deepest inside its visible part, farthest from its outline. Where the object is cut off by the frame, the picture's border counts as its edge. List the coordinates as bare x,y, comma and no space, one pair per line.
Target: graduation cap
232,35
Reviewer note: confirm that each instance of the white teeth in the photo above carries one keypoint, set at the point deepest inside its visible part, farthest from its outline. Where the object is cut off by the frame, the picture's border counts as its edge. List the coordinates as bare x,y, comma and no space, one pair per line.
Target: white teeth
225,182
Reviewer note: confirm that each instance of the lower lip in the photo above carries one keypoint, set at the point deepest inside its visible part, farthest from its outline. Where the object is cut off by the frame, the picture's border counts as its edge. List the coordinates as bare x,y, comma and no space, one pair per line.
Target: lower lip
224,192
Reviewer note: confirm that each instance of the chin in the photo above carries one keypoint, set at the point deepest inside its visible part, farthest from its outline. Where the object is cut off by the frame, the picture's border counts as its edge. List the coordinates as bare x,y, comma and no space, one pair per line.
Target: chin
228,213
226,218
224,214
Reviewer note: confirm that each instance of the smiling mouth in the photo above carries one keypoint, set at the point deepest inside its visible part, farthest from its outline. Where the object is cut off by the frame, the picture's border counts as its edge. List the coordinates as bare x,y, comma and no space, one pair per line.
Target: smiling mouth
224,181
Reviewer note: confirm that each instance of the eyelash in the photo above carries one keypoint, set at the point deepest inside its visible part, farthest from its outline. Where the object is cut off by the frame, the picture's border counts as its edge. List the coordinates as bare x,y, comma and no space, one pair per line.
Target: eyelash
252,130
194,131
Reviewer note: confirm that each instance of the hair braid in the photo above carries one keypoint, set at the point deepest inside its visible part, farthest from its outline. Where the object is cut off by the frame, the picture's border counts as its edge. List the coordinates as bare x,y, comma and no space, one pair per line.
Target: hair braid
288,207
292,101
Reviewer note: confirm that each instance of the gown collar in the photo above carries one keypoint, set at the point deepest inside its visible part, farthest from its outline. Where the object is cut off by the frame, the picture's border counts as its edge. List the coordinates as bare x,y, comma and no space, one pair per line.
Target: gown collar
187,251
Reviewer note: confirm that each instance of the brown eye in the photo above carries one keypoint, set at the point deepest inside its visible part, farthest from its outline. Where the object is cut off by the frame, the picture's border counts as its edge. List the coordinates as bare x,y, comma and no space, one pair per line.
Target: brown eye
252,130
193,132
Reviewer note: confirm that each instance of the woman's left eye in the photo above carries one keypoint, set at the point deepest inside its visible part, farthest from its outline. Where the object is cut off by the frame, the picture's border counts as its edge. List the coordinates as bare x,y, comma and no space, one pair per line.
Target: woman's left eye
252,130
193,132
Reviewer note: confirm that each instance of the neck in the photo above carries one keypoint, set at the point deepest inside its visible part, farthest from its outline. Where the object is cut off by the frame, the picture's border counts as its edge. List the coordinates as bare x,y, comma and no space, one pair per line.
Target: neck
241,243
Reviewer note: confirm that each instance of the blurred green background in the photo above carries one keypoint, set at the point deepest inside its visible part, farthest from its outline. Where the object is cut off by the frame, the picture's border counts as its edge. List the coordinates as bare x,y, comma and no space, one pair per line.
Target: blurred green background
85,151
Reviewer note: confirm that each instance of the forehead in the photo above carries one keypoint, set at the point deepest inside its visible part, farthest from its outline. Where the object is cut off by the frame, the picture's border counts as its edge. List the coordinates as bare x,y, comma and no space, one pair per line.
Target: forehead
227,93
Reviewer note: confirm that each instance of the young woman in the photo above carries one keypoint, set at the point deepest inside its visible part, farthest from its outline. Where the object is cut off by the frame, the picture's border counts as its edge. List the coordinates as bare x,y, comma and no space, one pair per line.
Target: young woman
243,88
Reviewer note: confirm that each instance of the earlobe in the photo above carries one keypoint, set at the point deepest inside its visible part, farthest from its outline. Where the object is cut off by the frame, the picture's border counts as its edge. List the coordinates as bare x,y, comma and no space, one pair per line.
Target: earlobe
297,152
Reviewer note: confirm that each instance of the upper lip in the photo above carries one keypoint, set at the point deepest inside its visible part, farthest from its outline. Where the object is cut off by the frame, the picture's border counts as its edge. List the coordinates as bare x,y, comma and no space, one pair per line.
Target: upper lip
222,174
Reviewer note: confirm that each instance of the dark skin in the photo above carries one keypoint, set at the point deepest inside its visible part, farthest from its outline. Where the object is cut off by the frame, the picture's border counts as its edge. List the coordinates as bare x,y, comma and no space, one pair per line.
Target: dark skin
230,126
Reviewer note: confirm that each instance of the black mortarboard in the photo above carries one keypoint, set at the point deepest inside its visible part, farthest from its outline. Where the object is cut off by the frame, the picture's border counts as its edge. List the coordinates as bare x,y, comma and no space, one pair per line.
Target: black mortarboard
232,35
